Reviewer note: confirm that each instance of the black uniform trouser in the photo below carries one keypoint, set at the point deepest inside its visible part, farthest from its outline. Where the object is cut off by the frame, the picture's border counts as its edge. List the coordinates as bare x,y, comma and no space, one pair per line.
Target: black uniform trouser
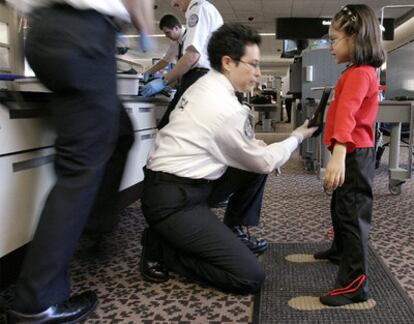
351,212
186,81
72,53
245,192
192,240
288,105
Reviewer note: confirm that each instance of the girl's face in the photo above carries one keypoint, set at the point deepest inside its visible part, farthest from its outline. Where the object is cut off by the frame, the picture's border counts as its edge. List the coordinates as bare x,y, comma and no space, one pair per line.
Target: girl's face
341,45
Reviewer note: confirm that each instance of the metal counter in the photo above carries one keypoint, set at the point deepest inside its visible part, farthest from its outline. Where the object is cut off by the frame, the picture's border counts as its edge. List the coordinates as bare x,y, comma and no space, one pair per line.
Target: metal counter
395,113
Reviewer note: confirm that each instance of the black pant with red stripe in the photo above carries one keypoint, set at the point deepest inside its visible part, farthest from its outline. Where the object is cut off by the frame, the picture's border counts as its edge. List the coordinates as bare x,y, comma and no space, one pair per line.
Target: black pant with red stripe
351,212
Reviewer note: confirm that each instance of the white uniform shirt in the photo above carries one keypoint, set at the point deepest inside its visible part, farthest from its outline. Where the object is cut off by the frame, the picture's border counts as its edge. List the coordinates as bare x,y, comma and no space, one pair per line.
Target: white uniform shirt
113,8
172,53
208,131
202,20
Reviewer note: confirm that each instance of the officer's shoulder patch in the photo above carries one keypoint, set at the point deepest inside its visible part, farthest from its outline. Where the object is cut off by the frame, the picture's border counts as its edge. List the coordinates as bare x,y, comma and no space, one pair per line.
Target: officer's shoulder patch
193,20
248,131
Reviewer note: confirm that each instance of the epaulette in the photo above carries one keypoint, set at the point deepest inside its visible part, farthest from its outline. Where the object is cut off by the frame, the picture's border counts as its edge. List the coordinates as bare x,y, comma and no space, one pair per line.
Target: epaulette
194,4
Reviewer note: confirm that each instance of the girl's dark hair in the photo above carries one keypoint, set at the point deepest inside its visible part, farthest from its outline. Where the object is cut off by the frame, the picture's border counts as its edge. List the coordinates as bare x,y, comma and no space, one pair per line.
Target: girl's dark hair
230,40
361,22
169,21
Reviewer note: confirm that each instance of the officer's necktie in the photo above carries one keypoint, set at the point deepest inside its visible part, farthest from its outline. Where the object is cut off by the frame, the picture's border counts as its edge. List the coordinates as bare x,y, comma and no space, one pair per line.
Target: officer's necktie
180,46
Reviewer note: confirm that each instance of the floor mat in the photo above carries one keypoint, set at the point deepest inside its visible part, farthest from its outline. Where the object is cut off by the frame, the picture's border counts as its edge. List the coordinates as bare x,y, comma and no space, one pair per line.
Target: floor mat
295,281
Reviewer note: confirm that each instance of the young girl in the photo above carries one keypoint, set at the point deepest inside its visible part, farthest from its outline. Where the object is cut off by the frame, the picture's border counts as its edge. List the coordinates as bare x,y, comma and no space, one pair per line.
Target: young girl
355,39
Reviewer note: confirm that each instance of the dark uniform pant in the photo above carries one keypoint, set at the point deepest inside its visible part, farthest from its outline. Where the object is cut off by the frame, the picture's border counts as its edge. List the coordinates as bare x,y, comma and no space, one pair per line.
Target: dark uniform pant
192,240
72,52
351,212
186,81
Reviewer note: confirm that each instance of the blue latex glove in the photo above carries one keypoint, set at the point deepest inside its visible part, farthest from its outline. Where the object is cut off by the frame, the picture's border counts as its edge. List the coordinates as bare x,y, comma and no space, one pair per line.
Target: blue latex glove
145,42
153,87
145,77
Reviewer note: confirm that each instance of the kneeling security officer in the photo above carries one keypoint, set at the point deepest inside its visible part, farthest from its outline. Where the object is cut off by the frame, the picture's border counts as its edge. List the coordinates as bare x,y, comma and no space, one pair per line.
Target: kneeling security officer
207,151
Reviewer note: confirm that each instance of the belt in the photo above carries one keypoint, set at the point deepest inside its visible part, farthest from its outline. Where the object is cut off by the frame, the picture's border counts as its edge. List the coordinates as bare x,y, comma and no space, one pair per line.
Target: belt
198,69
159,175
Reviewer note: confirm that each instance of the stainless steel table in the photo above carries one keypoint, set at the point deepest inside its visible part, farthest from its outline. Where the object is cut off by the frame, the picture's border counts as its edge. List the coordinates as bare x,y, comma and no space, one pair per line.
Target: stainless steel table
395,113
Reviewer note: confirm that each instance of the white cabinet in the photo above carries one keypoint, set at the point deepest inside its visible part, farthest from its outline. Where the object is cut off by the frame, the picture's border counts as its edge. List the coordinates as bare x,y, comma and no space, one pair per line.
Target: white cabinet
26,179
24,129
26,165
142,114
137,158
144,117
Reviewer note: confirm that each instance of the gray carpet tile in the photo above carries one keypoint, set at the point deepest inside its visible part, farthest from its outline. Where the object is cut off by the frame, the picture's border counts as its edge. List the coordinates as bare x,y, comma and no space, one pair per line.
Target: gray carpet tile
291,296
295,209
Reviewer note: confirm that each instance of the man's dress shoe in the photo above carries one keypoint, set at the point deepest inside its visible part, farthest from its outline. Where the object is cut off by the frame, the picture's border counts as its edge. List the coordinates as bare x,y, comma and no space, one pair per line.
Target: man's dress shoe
257,246
151,266
154,271
75,309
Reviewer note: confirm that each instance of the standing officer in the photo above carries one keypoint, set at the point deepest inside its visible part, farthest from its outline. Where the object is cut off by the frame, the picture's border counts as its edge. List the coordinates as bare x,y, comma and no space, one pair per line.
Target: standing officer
202,19
173,30
71,48
208,147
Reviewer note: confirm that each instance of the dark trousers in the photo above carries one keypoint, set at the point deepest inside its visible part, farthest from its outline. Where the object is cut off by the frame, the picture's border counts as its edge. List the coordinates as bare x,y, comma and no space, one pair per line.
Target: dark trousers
186,81
245,192
72,53
192,240
288,106
351,212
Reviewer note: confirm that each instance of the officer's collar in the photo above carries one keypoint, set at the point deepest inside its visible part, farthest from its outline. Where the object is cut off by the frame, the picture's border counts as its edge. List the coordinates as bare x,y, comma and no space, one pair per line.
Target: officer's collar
225,82
183,31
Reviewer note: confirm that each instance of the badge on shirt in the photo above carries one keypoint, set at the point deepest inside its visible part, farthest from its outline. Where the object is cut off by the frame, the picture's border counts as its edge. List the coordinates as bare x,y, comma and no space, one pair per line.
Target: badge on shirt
193,20
248,131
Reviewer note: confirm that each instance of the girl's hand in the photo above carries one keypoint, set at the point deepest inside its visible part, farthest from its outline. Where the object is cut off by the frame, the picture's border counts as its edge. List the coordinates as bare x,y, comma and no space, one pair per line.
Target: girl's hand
335,170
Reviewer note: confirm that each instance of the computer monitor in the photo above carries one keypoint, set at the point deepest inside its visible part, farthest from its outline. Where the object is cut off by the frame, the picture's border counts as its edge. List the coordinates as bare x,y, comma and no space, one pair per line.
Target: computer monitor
293,47
290,48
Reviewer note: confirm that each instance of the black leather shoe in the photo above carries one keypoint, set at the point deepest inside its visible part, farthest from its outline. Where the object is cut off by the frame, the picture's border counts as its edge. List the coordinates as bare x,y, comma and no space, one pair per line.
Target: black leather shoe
75,309
154,271
257,246
151,268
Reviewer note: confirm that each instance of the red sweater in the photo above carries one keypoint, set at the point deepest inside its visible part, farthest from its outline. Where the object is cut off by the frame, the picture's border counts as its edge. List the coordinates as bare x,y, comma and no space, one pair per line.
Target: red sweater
352,112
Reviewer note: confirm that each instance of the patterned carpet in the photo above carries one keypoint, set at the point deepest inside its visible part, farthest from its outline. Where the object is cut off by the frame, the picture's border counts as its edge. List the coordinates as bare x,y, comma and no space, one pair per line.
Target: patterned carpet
295,209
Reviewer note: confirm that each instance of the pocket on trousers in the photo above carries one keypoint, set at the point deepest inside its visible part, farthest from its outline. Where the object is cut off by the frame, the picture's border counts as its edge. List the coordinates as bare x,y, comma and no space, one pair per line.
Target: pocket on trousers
160,200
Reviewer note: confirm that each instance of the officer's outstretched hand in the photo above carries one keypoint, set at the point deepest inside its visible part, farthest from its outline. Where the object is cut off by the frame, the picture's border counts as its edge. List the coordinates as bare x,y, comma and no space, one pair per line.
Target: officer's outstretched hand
303,132
146,44
153,87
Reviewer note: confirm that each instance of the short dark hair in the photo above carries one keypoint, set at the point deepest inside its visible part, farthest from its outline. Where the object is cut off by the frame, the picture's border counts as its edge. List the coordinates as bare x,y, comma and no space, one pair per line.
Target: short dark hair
361,22
169,21
230,40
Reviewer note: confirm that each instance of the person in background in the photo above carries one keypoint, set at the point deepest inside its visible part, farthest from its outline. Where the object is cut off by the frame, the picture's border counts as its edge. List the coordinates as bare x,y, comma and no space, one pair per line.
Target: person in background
202,18
173,30
205,153
288,106
70,46
355,39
